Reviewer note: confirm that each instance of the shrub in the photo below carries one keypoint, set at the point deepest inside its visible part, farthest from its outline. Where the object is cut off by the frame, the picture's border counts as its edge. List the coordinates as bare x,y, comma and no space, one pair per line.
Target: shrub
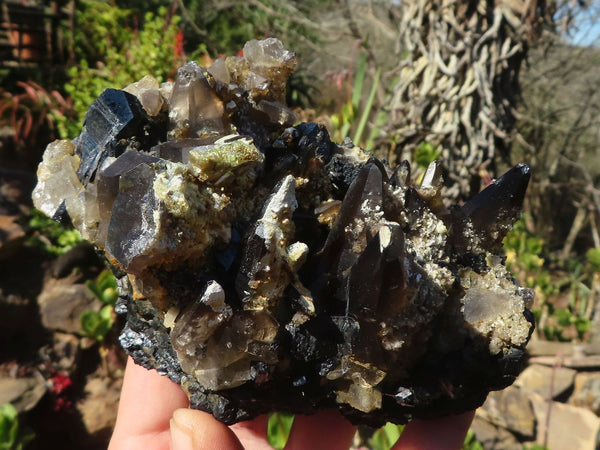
115,52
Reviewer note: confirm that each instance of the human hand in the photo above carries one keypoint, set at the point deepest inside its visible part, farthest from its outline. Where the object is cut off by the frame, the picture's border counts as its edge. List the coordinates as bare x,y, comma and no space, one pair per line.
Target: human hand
153,415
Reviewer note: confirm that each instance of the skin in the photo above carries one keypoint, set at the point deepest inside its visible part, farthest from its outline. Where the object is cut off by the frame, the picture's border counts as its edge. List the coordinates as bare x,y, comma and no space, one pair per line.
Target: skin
154,415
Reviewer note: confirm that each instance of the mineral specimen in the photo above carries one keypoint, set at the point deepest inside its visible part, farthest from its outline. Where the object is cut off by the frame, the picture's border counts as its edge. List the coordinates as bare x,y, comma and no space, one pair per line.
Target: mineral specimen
264,268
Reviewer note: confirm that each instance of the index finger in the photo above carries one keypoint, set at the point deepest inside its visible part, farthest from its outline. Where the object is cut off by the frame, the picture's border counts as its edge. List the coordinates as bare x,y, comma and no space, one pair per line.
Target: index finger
148,401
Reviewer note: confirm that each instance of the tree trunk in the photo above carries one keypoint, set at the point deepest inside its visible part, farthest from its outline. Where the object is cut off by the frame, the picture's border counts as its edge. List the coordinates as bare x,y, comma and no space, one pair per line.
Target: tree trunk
459,81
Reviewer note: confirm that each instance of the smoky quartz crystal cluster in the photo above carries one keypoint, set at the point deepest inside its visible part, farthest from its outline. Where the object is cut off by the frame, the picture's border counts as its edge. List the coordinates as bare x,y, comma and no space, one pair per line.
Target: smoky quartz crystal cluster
265,268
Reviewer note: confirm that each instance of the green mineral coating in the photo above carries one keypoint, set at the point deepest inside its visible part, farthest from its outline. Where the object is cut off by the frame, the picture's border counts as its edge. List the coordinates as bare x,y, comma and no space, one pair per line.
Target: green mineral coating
179,193
215,162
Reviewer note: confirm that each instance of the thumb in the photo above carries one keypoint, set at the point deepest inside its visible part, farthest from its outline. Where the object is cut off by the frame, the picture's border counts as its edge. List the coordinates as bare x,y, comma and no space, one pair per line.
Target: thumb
197,430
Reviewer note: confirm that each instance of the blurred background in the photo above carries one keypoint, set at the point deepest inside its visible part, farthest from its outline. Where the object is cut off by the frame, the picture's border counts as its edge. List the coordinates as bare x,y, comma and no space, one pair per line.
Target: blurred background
478,85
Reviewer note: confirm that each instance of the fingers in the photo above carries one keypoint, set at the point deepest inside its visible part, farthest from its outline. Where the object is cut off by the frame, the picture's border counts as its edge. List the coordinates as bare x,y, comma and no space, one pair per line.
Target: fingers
253,433
148,401
197,430
150,418
445,433
327,430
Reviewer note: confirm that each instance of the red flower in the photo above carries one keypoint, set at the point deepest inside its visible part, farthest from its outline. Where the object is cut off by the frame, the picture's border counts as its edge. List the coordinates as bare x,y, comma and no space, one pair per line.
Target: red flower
60,383
62,404
179,41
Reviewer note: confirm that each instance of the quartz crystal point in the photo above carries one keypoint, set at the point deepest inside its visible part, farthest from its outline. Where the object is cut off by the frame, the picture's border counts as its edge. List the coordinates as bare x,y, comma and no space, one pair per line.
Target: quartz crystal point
502,199
194,108
265,268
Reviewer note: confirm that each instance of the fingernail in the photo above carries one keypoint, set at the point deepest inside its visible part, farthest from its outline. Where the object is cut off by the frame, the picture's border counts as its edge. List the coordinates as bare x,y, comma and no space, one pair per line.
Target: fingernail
181,431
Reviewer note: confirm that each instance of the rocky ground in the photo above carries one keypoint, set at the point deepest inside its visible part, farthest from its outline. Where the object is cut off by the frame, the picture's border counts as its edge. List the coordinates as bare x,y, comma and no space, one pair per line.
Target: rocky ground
554,402
67,386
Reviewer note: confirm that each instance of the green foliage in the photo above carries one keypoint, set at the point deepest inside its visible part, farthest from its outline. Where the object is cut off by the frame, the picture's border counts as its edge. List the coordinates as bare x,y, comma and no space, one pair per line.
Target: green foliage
471,442
227,30
278,429
115,52
564,319
425,154
100,26
593,258
385,437
578,279
346,119
380,121
367,109
97,324
104,288
49,235
524,252
224,27
12,437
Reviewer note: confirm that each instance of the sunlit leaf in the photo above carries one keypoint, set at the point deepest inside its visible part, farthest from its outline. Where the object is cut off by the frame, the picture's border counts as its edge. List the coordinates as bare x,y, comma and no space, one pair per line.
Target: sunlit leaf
278,429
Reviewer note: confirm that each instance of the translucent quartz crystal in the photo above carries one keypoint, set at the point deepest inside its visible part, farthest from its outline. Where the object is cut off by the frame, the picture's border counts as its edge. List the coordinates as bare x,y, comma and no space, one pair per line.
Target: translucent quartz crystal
194,108
263,72
219,71
277,113
270,269
148,93
222,361
271,63
57,178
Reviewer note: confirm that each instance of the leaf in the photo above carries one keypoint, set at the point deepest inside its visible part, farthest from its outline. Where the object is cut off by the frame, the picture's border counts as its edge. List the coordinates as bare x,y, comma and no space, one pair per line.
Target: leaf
367,109
425,154
13,119
96,325
28,124
104,288
385,437
551,333
109,296
359,81
278,429
89,322
9,426
30,90
593,258
106,279
471,442
106,313
582,326
381,119
563,317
